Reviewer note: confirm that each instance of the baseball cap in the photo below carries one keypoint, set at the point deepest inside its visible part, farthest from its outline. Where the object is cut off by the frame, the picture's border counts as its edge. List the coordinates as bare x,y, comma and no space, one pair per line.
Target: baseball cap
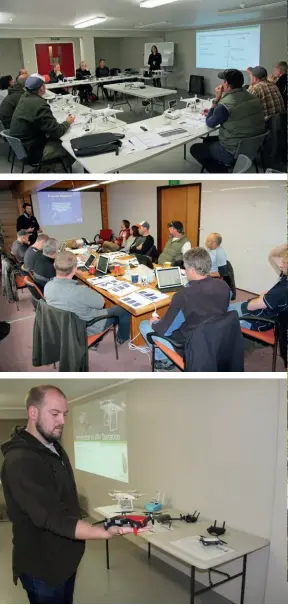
259,72
22,232
143,224
233,77
34,82
177,225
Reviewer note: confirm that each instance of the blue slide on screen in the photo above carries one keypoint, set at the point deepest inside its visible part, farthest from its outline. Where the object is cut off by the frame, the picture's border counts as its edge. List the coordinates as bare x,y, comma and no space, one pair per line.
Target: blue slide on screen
60,208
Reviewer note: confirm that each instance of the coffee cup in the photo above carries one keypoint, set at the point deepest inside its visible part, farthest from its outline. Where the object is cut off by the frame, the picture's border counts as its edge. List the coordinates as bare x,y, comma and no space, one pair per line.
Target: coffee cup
91,270
134,278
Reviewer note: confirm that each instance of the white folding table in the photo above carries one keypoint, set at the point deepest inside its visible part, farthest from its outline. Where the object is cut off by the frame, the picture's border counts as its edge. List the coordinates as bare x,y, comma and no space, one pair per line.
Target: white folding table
148,93
111,162
239,545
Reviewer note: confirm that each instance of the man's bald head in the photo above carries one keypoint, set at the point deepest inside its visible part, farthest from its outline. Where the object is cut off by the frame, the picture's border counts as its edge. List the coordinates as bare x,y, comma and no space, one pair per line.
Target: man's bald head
21,79
213,241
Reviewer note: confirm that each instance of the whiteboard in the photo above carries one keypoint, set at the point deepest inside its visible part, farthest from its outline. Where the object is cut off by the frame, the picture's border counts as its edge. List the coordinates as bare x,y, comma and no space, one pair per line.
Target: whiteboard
165,48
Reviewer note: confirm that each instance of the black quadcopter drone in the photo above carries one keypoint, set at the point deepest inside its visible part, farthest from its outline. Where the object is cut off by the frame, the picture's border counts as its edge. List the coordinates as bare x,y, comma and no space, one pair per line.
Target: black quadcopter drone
166,519
134,521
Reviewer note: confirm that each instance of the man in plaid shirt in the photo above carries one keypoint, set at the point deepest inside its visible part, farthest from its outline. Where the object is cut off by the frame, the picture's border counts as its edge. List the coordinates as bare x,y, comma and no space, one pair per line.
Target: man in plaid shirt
266,91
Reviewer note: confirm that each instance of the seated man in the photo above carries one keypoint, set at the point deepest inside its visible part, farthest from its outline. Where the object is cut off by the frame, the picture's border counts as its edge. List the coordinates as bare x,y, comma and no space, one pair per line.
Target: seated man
217,254
202,298
10,102
6,82
34,252
56,75
148,242
44,268
268,304
20,245
240,116
118,242
102,71
86,90
279,77
34,124
65,293
177,244
268,93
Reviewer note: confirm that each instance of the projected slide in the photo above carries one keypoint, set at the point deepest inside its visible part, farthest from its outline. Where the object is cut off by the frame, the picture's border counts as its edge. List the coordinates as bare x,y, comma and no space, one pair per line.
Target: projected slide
60,208
238,47
100,440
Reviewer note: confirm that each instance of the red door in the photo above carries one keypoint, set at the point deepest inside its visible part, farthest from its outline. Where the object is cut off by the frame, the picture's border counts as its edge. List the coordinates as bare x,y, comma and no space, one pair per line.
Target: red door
49,54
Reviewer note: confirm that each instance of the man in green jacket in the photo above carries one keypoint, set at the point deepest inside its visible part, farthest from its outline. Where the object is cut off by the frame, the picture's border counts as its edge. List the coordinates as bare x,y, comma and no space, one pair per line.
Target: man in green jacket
238,114
34,124
12,99
176,246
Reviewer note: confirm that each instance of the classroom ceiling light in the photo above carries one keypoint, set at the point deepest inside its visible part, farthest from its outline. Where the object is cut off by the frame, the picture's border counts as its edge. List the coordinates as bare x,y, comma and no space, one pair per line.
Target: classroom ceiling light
89,22
245,8
93,185
153,3
153,24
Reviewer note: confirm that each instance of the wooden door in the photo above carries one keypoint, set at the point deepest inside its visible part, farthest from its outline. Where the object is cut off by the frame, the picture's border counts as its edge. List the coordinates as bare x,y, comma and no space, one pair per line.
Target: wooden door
179,203
49,54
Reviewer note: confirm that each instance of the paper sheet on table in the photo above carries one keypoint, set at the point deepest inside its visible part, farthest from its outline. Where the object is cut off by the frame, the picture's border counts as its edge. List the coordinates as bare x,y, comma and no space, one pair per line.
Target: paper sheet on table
192,546
136,301
121,288
152,295
141,142
102,282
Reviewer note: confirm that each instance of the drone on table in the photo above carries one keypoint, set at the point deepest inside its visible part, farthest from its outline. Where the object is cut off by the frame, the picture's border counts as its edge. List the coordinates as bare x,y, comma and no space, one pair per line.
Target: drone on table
125,500
166,519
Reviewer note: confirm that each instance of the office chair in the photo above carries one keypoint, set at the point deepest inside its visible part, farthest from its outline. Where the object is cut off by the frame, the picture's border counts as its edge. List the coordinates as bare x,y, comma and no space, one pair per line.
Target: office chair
144,260
269,337
243,164
251,147
105,235
60,335
275,147
20,153
35,292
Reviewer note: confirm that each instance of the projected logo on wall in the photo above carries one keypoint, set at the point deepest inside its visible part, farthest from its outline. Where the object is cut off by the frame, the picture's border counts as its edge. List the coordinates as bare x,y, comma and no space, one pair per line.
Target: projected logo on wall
100,439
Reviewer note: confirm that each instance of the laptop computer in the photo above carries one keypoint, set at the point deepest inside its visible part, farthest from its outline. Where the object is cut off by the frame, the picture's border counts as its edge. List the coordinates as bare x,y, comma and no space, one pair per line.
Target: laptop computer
87,264
102,266
169,280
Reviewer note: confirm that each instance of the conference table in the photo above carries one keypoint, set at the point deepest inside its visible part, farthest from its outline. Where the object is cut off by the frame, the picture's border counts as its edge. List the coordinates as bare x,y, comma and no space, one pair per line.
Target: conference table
181,543
147,93
192,122
93,81
137,315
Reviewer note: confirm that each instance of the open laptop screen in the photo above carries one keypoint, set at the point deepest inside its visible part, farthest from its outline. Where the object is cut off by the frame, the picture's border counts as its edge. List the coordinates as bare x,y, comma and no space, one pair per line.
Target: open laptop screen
102,265
169,277
89,261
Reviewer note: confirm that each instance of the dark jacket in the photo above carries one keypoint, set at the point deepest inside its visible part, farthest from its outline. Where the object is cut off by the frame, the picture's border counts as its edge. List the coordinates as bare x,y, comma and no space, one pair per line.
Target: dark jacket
81,74
43,506
155,61
59,336
9,272
191,306
33,123
102,72
54,78
24,221
216,345
9,104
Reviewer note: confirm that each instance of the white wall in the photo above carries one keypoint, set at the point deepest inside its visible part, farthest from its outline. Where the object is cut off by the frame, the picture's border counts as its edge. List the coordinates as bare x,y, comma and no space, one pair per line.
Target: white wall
272,49
231,475
250,215
92,219
11,57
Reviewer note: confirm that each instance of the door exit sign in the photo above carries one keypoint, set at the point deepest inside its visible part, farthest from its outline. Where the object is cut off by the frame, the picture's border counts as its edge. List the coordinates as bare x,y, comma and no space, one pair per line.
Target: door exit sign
174,182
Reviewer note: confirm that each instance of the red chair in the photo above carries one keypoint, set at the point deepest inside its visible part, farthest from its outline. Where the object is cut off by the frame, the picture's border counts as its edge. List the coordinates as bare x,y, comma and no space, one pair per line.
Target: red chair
269,337
34,290
105,235
171,355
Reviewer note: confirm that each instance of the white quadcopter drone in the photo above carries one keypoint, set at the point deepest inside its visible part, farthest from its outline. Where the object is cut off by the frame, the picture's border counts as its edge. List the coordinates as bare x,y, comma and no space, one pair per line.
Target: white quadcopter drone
125,500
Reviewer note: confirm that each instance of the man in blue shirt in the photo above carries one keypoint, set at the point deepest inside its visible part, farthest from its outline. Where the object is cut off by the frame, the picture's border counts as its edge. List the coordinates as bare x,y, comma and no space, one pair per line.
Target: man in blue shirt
217,253
238,114
268,304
